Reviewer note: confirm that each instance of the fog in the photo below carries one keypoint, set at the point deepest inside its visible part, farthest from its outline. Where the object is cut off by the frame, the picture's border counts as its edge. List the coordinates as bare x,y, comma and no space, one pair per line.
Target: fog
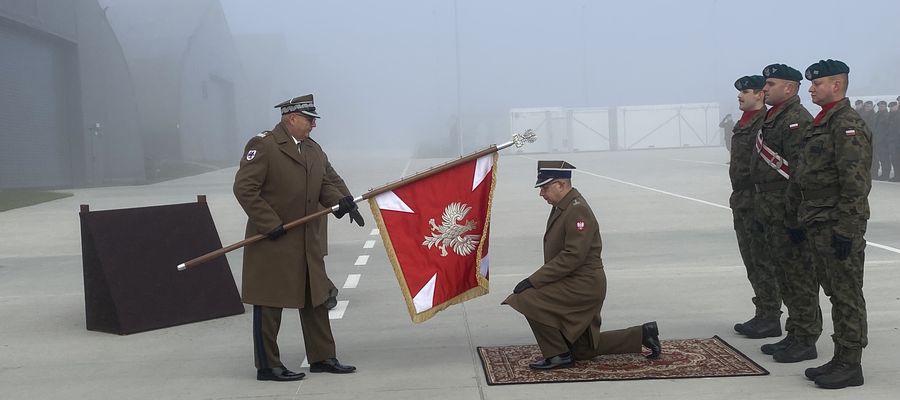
399,71
134,91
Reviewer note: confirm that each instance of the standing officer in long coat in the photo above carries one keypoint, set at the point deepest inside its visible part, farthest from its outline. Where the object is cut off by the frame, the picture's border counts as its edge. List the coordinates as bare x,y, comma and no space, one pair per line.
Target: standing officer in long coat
563,298
282,177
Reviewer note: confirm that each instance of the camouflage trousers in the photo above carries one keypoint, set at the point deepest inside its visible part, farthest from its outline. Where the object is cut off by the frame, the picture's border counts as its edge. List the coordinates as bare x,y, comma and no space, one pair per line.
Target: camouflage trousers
842,281
797,279
766,296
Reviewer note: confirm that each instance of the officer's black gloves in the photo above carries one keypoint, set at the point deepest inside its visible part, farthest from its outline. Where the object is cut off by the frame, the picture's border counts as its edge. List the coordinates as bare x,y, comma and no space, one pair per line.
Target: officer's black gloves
522,286
345,205
355,216
841,245
276,233
797,235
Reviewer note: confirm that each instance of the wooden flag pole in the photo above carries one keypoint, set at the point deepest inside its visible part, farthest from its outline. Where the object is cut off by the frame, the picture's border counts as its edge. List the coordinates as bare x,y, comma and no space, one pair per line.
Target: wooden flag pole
519,140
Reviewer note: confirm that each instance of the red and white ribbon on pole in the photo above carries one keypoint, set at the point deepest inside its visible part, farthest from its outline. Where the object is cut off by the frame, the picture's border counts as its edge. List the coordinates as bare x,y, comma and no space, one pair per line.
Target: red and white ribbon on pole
772,158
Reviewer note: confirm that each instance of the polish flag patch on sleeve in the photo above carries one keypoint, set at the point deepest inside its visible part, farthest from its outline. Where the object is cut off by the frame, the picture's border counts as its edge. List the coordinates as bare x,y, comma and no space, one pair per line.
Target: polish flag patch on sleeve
851,132
794,126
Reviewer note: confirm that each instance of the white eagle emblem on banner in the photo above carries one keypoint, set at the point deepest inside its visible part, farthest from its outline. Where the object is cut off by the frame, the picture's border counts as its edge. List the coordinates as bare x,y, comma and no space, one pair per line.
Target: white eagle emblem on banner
452,234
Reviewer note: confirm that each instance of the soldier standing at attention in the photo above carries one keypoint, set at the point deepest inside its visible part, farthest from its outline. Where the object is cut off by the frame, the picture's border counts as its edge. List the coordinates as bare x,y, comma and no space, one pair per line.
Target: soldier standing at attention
283,177
751,100
829,194
868,116
893,139
563,299
881,142
777,147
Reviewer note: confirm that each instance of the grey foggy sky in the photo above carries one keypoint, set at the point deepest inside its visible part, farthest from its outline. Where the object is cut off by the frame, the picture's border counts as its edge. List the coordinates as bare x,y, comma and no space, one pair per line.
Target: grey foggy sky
392,63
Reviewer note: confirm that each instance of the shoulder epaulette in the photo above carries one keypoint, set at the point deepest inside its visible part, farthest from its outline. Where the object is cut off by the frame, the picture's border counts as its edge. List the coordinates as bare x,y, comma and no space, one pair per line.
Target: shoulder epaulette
263,134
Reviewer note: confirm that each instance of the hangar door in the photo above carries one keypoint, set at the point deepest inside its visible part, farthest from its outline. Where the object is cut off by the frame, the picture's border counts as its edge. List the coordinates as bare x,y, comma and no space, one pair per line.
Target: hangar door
36,127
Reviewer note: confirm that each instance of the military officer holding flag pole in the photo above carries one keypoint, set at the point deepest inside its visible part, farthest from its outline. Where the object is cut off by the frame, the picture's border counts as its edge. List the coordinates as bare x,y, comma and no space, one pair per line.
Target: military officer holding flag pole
562,300
283,177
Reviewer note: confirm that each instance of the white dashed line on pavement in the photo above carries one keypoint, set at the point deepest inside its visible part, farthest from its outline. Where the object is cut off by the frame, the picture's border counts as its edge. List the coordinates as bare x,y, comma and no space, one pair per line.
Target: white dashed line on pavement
361,260
352,281
369,244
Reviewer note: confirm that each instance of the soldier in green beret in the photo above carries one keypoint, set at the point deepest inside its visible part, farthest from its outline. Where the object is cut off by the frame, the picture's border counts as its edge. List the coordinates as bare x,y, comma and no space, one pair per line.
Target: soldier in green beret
751,100
775,152
829,197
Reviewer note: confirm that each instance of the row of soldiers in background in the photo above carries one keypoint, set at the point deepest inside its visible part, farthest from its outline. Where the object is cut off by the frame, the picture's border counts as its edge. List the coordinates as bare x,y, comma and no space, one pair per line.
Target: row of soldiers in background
799,198
885,125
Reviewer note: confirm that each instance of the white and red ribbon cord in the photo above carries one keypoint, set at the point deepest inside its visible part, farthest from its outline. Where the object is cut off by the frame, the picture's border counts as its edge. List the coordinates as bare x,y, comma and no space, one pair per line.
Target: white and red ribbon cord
772,158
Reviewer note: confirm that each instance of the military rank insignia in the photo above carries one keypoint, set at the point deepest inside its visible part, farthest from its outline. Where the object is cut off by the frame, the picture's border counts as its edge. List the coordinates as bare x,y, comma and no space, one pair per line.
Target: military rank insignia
251,154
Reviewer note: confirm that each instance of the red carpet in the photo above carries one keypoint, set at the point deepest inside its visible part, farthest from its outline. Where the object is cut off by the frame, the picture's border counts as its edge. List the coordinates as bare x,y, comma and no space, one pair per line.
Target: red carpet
681,358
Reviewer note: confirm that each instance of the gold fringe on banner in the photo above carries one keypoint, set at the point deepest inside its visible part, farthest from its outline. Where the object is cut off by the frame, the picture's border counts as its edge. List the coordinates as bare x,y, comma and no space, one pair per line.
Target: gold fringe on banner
483,284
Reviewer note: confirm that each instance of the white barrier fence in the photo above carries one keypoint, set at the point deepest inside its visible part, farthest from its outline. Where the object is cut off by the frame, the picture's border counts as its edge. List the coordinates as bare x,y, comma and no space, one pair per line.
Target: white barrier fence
622,128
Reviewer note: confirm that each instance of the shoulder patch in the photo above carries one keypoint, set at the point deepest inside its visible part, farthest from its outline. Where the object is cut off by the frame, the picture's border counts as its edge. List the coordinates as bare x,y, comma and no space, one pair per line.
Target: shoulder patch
579,225
251,155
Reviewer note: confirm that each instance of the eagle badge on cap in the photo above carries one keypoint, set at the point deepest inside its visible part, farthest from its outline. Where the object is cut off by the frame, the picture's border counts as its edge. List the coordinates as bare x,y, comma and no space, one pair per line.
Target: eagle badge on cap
251,154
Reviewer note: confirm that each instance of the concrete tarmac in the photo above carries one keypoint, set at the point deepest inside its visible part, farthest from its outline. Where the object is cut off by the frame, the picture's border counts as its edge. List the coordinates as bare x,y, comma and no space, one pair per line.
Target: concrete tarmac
669,251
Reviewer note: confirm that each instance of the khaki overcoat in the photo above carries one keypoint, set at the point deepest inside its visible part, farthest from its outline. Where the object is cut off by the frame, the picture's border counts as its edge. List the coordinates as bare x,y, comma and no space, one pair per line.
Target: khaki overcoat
570,287
277,184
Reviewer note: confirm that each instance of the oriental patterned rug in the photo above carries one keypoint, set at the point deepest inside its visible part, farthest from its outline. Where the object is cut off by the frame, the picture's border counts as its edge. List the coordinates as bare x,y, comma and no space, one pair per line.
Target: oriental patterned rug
681,358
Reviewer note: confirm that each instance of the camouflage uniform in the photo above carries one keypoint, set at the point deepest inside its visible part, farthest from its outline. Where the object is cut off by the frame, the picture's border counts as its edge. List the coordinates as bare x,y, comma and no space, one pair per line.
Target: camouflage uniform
761,276
894,142
881,131
783,131
829,191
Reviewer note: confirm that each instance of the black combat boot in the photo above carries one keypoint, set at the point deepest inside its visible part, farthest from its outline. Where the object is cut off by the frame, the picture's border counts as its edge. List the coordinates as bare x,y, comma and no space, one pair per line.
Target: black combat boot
650,339
798,351
773,348
840,376
739,327
813,373
763,328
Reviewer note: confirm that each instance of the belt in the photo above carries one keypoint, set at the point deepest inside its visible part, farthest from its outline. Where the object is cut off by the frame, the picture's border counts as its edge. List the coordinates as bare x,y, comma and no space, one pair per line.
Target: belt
770,186
744,186
820,193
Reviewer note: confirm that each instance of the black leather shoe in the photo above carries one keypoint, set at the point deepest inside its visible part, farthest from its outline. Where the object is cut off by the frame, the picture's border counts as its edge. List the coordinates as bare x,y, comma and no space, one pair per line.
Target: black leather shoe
813,373
280,374
563,360
739,327
331,365
331,302
840,376
796,352
762,328
650,339
773,348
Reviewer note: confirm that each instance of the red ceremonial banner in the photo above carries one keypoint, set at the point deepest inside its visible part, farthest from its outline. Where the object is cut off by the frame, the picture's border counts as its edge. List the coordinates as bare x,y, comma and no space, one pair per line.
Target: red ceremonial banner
435,232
